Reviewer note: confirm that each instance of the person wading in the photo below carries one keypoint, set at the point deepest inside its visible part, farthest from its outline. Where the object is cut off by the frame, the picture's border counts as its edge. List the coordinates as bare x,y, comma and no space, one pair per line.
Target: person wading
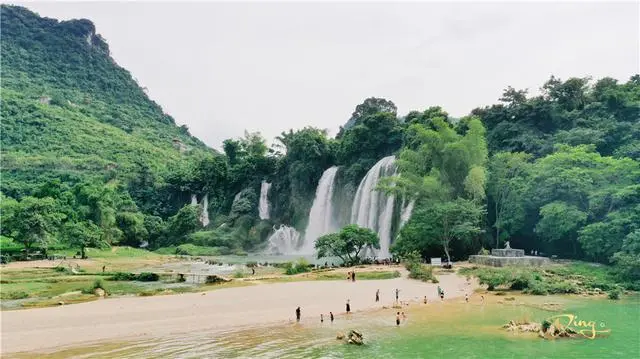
397,318
348,307
378,295
298,314
331,316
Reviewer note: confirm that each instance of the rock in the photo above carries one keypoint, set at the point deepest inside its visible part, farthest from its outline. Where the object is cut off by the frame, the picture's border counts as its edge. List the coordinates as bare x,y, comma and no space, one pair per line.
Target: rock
541,334
340,336
60,303
510,299
355,337
100,292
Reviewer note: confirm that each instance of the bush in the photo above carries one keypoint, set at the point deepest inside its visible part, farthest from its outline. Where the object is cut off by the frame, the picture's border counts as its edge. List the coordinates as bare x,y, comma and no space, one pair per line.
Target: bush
299,266
147,277
97,284
614,294
238,274
14,295
122,276
421,272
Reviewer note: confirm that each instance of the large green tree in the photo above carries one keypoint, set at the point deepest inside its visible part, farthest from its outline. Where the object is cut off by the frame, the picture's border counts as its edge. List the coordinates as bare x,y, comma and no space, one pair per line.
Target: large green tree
348,244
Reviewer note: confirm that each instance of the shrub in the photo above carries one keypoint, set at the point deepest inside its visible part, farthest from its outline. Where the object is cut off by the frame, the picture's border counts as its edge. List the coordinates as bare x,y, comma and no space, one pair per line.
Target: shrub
122,276
614,294
147,277
14,295
97,284
421,272
213,279
299,266
238,274
521,281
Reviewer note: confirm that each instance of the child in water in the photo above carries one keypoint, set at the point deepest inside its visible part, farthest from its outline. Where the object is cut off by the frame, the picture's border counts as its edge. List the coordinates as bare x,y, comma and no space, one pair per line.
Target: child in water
397,318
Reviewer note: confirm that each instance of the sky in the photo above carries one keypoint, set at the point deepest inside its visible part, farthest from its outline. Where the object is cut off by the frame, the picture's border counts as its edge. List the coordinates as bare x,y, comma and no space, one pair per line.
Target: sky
225,67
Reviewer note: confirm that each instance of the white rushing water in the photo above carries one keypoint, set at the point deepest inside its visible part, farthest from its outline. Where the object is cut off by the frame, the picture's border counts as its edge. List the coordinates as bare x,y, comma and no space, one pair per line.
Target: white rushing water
373,209
405,215
194,200
284,240
321,215
204,214
263,205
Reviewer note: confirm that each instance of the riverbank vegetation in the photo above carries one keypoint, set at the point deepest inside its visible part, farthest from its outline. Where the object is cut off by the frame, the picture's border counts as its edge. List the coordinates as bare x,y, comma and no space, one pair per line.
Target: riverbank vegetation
569,278
89,161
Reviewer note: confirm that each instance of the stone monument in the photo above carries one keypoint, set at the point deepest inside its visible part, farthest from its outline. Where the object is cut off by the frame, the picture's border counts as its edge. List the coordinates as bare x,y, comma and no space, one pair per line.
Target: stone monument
508,256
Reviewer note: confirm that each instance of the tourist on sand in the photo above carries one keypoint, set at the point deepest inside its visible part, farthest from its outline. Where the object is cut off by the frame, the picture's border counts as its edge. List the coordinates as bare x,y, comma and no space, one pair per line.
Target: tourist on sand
397,294
482,298
378,295
353,276
439,291
298,314
442,295
348,276
466,297
321,318
348,307
331,316
103,268
397,318
425,299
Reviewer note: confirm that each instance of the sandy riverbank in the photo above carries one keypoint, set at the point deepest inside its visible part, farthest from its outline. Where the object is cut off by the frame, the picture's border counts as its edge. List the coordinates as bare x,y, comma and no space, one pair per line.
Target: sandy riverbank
225,309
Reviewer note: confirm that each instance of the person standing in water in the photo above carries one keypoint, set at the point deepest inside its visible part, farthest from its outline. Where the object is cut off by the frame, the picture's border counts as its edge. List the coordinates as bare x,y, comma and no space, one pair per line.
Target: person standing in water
442,295
466,297
425,299
398,319
348,307
298,314
353,276
378,295
331,316
321,318
397,294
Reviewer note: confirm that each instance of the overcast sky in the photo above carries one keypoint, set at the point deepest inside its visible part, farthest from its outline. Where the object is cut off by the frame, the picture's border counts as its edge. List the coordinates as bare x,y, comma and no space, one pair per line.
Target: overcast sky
222,68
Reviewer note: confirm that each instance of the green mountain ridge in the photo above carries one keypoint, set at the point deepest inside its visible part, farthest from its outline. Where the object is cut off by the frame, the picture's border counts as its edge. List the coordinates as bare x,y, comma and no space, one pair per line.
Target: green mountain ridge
68,108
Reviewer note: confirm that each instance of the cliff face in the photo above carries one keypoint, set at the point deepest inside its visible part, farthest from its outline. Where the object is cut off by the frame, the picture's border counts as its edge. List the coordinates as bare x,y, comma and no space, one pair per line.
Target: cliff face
94,115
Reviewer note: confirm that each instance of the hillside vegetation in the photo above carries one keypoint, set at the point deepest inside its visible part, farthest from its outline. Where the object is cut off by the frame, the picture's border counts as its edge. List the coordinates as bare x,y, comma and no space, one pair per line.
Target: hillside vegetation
89,160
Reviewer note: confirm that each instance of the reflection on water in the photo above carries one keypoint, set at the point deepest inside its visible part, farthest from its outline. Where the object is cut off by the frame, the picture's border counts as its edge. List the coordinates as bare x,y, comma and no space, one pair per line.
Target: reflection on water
451,329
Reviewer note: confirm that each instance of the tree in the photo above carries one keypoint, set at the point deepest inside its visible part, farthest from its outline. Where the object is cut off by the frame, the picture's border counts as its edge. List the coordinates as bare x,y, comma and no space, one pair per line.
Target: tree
507,188
83,235
347,244
442,224
559,223
132,226
182,224
33,221
370,106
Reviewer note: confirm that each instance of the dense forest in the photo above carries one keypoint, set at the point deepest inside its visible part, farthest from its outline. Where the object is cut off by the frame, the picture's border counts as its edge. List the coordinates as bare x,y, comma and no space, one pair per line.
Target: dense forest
88,160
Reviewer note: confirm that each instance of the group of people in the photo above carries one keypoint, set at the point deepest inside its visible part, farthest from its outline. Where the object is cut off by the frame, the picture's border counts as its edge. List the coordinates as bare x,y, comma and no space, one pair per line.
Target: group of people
351,276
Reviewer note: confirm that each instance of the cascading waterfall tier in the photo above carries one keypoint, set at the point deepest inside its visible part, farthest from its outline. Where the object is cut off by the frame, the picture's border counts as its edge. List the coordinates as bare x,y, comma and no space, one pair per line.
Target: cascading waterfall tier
321,220
374,209
405,215
204,213
263,205
284,240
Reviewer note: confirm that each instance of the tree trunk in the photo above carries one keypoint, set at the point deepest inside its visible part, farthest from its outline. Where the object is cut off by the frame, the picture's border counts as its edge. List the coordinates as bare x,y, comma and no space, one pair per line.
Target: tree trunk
497,227
446,251
82,253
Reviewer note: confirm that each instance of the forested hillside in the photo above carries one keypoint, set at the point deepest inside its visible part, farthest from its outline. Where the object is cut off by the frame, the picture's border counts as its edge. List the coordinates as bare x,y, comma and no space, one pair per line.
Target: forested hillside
89,160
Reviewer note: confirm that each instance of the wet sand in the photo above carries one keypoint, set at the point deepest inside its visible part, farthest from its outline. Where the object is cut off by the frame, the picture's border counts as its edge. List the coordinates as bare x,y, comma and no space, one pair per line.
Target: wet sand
44,329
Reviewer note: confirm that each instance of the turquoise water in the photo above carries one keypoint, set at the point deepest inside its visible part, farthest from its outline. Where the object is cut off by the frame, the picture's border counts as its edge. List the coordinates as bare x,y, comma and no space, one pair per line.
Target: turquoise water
439,330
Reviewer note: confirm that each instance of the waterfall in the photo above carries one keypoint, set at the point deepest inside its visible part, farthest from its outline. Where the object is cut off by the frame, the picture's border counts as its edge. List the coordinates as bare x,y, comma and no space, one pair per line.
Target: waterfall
406,212
284,240
263,206
373,209
321,214
204,214
194,200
